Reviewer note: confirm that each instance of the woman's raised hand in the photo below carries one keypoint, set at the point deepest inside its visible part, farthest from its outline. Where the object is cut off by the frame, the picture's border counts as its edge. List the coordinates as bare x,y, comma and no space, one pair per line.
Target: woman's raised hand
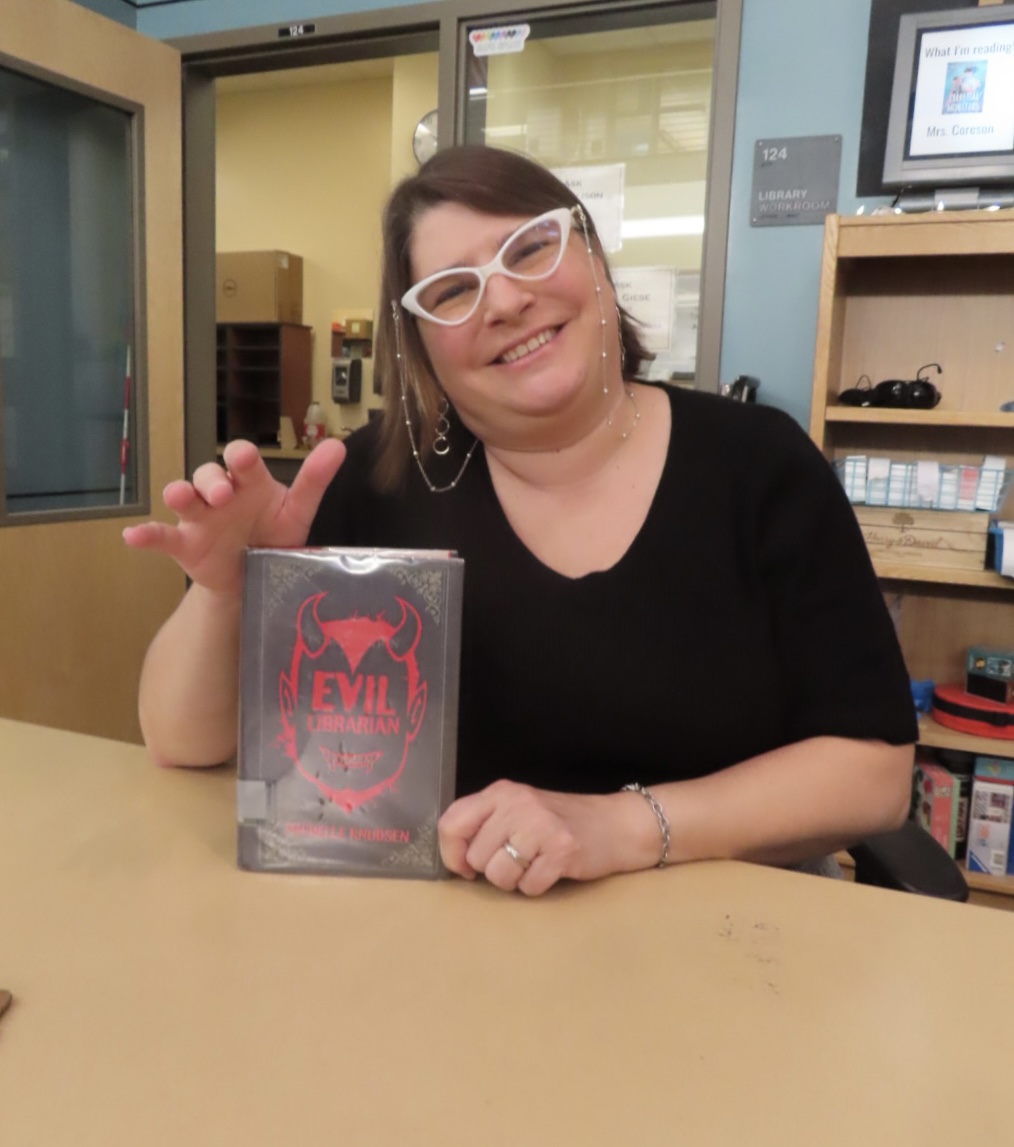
222,511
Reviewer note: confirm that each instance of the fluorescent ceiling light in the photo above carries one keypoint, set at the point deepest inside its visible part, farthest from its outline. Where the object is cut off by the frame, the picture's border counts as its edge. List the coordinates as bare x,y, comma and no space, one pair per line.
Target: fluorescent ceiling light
508,131
661,227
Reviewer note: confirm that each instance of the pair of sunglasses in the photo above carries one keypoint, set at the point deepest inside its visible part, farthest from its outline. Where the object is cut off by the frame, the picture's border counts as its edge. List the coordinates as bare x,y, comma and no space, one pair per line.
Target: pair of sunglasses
906,394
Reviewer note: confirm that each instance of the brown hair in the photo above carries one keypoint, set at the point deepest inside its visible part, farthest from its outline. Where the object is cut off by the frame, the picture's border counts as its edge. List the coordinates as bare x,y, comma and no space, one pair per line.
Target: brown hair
490,180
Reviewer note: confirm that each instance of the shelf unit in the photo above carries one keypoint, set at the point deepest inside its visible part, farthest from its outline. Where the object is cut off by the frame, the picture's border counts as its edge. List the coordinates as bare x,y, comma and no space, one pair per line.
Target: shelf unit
263,371
898,292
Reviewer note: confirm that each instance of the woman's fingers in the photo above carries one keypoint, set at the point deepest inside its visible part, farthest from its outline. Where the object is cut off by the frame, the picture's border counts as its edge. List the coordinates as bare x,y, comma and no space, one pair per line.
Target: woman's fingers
212,484
155,536
516,863
240,455
313,478
455,831
509,833
243,468
225,509
181,498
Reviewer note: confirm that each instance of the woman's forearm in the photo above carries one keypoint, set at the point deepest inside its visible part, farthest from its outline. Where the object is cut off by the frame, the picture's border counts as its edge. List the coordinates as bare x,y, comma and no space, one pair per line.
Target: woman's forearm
189,690
791,804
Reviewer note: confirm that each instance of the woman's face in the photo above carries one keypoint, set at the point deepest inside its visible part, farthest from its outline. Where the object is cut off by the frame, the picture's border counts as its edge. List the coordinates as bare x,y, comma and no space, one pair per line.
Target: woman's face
525,371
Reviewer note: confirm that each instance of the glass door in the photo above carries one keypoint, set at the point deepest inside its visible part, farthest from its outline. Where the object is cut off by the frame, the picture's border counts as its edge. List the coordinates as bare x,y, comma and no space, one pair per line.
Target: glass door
619,105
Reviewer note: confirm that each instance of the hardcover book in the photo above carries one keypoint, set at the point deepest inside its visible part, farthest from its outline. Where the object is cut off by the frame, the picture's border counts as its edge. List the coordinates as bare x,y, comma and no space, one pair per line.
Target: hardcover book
349,664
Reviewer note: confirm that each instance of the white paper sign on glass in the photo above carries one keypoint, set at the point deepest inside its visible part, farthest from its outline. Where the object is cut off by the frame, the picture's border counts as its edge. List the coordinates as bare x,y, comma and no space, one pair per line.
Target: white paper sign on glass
600,189
648,294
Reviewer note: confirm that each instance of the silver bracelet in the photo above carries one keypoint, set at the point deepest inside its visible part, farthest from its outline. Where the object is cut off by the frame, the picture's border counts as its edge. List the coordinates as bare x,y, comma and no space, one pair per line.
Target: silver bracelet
659,811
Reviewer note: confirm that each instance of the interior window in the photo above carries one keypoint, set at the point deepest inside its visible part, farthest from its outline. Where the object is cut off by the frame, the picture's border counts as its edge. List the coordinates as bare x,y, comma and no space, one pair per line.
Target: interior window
622,115
69,405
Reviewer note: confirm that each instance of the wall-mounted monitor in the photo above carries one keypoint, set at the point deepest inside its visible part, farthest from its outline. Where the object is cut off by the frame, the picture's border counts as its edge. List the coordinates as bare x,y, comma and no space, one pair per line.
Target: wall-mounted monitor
951,122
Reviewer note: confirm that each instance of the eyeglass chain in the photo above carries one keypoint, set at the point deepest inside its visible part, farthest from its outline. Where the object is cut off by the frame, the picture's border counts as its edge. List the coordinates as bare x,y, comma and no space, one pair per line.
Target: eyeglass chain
441,445
602,327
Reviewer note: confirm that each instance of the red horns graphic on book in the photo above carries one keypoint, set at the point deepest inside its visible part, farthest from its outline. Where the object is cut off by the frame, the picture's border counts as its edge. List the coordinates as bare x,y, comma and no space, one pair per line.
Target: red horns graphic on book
353,700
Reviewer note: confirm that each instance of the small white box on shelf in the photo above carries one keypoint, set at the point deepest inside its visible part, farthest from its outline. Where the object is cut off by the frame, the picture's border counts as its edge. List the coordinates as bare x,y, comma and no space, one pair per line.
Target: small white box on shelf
989,821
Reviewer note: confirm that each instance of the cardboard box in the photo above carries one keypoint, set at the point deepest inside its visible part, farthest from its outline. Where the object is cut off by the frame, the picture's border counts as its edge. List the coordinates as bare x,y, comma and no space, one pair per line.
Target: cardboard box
258,287
991,817
936,803
941,538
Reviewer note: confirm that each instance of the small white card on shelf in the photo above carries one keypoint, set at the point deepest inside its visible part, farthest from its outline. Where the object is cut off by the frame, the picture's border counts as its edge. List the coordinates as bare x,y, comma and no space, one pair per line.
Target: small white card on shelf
855,477
987,495
1007,558
877,473
927,481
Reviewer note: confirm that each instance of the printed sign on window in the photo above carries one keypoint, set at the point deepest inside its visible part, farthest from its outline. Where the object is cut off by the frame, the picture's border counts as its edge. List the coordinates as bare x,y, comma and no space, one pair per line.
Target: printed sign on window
600,189
647,293
497,41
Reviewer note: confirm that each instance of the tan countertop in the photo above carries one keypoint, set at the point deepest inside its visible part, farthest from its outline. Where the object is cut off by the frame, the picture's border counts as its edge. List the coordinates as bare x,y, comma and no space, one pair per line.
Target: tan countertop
163,996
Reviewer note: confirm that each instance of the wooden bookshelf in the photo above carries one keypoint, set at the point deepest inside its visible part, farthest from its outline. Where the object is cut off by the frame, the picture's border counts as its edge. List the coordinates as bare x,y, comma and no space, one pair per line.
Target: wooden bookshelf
884,416
935,736
263,372
899,292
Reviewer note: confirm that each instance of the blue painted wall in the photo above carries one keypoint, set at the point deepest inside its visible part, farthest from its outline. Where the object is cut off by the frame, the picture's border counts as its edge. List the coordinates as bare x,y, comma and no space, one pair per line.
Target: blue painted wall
802,72
196,17
118,10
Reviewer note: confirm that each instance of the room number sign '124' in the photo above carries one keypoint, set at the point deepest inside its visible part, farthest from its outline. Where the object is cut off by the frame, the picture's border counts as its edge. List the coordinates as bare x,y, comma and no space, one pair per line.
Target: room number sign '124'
771,154
296,30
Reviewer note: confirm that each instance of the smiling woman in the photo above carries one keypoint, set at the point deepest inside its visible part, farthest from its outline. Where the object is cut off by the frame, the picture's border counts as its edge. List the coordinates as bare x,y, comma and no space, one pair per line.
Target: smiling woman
611,611
486,225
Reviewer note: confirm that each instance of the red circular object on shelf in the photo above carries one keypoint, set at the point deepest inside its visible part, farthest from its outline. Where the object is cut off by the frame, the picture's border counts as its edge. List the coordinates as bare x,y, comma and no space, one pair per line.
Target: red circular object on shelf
955,709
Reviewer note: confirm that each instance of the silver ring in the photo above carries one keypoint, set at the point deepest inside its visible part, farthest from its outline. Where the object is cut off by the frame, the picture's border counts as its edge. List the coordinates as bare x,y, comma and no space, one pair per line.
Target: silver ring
516,856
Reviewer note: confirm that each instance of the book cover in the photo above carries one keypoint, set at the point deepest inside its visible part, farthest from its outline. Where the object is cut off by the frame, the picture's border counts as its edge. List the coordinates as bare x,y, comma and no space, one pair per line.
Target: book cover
965,87
349,664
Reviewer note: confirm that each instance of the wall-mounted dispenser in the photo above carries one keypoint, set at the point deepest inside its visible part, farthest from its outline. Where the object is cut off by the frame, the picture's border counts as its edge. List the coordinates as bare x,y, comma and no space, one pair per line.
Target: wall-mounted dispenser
346,379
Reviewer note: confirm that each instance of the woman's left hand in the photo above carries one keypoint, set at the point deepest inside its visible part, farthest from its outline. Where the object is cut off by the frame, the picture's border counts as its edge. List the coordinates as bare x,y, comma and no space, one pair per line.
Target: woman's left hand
551,836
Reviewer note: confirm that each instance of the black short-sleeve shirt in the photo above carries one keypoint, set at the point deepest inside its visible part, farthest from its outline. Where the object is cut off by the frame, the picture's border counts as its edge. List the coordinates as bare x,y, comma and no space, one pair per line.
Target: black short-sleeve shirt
744,616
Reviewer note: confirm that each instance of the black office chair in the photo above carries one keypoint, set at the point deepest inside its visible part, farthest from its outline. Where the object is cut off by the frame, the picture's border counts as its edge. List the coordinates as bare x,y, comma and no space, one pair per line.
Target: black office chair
910,860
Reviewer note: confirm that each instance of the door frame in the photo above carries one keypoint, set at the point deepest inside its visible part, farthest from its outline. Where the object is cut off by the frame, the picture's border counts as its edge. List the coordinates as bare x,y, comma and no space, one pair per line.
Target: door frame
391,32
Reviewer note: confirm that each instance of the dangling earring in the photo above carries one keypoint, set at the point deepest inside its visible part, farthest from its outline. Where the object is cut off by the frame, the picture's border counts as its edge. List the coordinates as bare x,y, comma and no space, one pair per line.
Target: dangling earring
441,443
441,417
623,349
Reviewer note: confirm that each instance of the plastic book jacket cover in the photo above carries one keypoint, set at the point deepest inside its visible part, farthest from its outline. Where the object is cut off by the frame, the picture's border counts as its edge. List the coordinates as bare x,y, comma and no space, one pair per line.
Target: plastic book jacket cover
349,664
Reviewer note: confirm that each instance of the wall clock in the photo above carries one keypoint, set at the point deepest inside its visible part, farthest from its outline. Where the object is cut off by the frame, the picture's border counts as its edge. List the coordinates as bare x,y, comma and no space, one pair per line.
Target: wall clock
424,138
